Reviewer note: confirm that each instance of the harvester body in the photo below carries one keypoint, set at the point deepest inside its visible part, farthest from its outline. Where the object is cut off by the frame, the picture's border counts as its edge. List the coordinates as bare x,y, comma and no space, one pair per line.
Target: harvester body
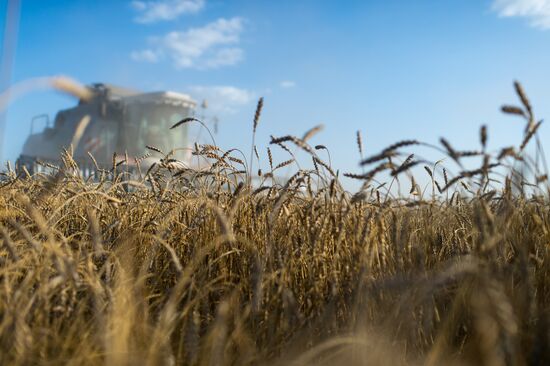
122,122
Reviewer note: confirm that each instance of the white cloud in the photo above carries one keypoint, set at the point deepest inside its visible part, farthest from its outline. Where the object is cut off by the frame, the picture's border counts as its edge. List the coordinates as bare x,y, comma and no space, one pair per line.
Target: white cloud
222,99
287,84
211,46
536,11
225,57
146,56
162,10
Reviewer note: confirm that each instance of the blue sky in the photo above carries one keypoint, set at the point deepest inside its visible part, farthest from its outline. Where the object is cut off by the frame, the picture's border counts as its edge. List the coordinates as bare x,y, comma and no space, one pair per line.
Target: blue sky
392,69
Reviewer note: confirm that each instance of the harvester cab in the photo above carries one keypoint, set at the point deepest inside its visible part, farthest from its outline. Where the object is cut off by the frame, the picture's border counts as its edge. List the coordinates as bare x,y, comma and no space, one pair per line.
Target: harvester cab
122,122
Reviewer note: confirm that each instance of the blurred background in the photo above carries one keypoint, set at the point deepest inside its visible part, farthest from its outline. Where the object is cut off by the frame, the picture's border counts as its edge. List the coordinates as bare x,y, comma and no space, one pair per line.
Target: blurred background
391,69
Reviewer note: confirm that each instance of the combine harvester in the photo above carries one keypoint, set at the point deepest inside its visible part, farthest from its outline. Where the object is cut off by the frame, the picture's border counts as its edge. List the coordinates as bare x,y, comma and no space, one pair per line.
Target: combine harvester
122,123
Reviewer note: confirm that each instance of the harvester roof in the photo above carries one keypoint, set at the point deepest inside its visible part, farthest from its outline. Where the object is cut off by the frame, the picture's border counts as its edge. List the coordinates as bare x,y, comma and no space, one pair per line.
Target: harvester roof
130,96
164,97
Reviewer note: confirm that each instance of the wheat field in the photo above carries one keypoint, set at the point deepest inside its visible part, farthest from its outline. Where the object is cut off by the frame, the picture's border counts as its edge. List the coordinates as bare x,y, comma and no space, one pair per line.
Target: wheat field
212,267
